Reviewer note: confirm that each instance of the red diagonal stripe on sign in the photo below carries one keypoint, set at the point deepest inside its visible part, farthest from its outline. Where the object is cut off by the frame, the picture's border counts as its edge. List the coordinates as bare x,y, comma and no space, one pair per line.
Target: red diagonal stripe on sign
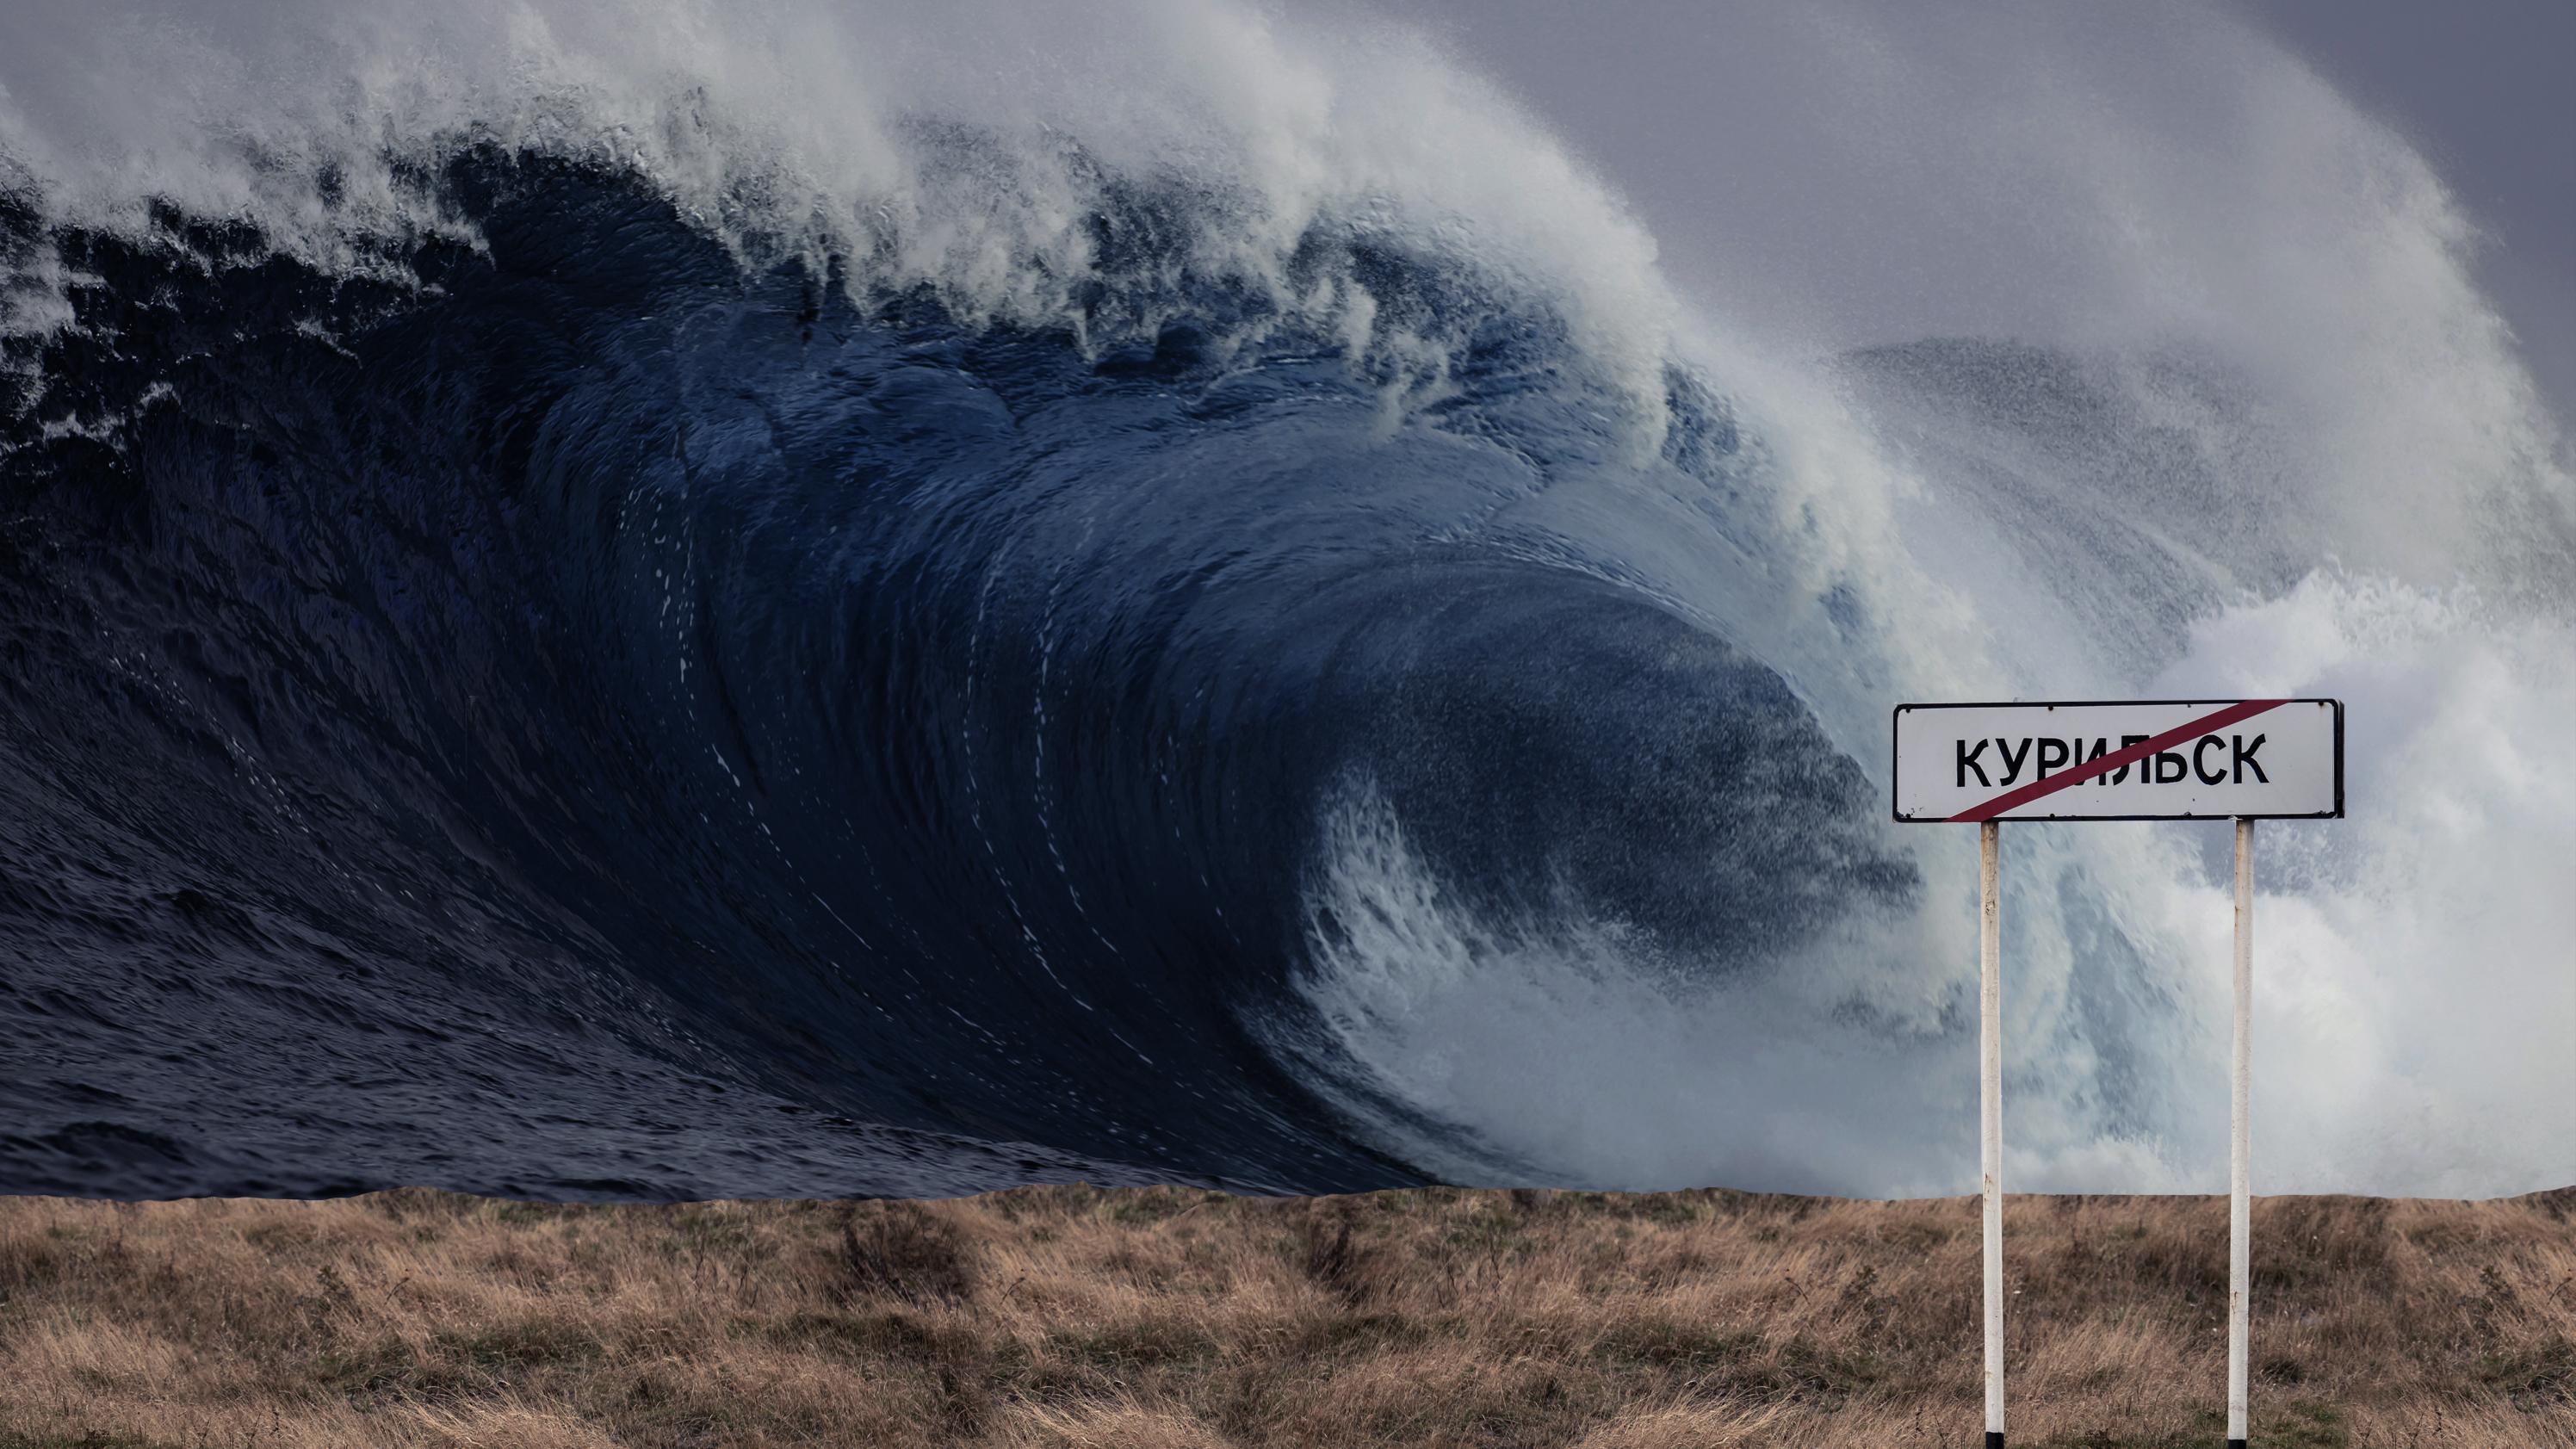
2016,798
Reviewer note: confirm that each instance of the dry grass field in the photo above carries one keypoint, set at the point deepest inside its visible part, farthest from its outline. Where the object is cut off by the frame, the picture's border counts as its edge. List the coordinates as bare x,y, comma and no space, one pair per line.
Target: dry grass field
1164,1319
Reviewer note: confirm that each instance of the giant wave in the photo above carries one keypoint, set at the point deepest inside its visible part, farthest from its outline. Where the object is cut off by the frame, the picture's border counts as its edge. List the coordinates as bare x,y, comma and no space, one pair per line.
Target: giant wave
577,629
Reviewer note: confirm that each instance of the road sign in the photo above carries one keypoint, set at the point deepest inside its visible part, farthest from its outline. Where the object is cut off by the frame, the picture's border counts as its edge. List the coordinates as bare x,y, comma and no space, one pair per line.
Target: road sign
2154,760
2142,760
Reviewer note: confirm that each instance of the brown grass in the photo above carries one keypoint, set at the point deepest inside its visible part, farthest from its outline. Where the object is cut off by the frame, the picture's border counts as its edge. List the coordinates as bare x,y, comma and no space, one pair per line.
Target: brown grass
1051,1318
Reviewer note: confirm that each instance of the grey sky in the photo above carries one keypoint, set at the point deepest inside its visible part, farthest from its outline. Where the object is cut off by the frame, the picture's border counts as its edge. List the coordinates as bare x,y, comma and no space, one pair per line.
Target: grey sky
2482,87
1734,130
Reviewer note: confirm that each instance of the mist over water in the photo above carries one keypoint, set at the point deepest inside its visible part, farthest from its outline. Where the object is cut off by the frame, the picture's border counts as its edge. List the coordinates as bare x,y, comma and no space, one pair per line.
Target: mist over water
1177,590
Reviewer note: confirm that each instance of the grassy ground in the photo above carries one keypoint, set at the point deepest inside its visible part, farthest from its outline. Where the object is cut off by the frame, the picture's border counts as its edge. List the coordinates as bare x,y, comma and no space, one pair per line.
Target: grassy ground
1165,1319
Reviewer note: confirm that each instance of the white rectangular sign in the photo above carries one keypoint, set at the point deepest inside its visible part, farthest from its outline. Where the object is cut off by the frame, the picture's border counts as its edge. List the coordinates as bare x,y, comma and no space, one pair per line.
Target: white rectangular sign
2146,760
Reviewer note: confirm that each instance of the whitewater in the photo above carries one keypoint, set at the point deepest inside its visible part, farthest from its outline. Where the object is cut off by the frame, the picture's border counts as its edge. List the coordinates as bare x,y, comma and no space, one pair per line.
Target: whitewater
654,599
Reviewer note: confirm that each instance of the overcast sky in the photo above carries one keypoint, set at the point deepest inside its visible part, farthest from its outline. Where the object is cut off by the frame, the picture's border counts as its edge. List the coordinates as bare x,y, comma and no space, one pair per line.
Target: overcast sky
1719,123
2482,87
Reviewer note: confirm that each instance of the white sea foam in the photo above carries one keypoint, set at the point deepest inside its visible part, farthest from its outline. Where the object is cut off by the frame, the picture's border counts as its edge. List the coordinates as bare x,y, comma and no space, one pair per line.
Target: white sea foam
830,128
2414,992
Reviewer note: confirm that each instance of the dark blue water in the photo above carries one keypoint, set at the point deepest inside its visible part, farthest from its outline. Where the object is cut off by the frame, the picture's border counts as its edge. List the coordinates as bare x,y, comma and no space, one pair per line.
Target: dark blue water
608,715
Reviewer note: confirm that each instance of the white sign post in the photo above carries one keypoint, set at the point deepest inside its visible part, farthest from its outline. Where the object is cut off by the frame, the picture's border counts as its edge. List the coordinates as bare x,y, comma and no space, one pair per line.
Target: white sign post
1990,1107
2249,759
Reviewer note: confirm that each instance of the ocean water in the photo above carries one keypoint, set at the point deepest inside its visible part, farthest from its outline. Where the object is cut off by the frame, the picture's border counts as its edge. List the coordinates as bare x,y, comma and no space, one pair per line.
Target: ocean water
664,600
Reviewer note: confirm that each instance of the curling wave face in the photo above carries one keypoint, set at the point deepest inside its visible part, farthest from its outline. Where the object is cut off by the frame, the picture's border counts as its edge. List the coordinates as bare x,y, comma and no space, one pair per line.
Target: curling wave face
931,722
571,636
